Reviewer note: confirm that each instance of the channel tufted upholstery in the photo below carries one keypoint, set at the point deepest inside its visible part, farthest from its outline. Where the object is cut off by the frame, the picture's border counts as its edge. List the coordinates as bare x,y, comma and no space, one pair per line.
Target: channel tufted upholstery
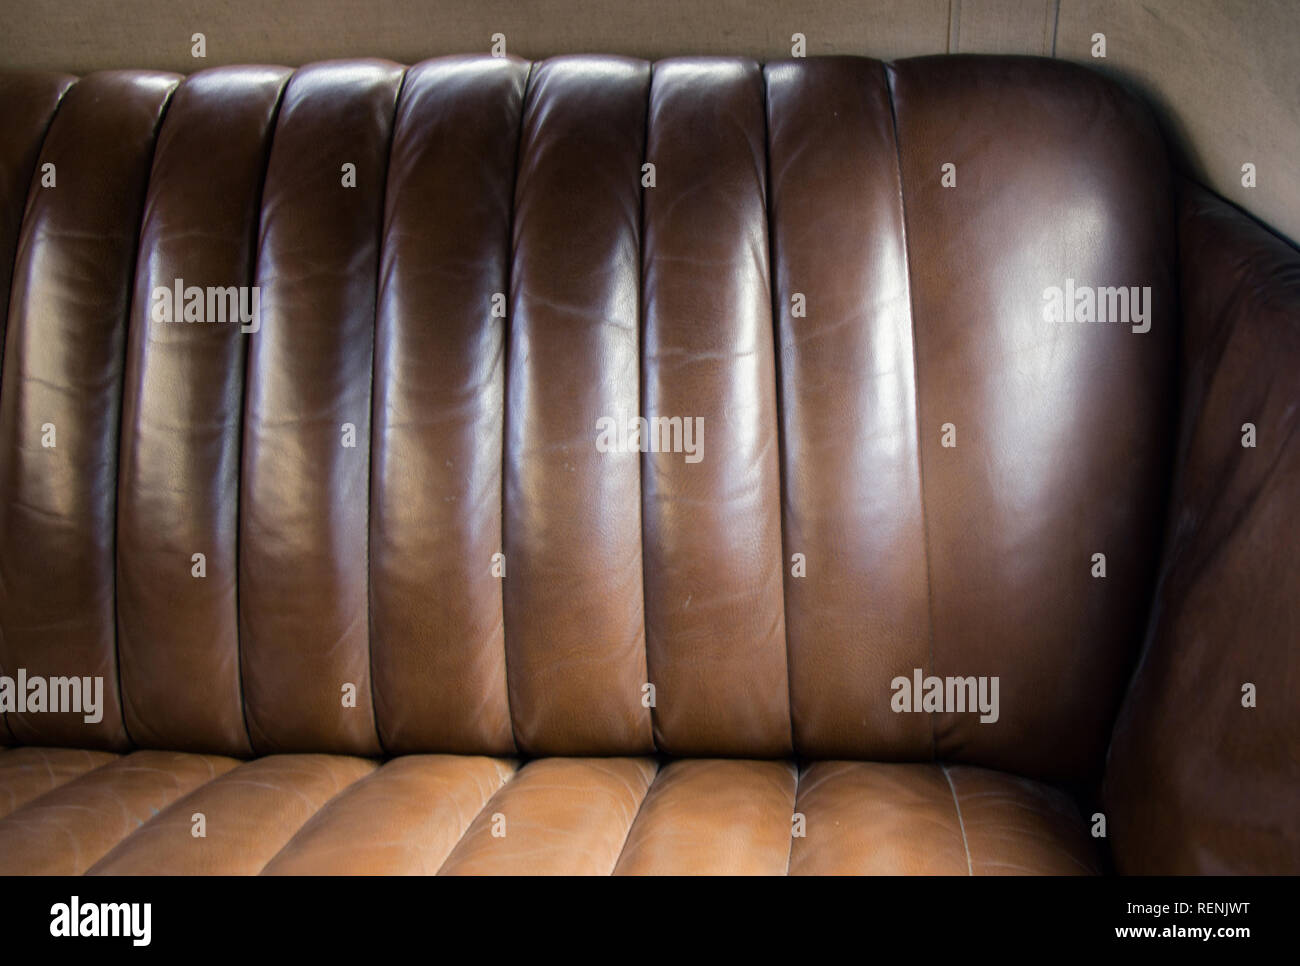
431,605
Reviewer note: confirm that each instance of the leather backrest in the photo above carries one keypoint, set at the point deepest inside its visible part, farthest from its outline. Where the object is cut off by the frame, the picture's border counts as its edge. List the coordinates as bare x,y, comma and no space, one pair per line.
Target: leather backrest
419,531
1068,425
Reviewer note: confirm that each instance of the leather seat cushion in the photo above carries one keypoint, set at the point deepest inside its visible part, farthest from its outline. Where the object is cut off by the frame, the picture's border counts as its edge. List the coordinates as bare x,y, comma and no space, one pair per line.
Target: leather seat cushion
74,812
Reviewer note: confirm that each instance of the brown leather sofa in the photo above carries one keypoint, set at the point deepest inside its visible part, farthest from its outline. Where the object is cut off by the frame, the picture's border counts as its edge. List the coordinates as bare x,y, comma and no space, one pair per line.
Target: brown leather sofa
382,576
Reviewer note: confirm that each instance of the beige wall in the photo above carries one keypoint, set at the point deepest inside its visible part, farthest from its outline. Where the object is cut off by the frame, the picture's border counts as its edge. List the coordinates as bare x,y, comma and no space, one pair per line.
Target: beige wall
1225,77
1224,74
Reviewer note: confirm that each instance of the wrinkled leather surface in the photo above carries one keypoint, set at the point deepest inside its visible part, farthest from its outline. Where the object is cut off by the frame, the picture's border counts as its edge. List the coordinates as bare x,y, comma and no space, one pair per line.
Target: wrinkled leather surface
403,819
419,410
68,829
712,528
26,773
1197,782
886,819
710,815
248,814
466,815
559,816
847,373
571,516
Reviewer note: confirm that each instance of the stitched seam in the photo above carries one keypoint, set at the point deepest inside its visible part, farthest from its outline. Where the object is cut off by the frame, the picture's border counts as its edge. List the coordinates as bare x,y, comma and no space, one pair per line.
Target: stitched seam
641,397
916,389
961,823
794,807
636,815
505,393
519,766
254,261
23,806
320,810
179,804
121,397
370,450
775,308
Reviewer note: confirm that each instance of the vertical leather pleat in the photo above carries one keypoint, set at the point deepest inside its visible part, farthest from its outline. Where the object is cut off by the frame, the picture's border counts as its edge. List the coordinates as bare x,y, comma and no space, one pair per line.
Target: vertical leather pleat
27,105
304,502
575,640
438,636
60,399
715,623
177,557
855,595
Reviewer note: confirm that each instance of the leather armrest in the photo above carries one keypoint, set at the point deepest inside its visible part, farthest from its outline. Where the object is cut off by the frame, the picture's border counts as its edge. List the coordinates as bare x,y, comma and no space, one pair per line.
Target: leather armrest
1203,773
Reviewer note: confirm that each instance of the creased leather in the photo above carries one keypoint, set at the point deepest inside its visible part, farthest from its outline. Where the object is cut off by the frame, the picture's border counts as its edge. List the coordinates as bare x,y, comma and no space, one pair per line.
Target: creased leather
66,830
712,519
248,814
869,818
557,816
402,819
713,817
27,773
575,637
